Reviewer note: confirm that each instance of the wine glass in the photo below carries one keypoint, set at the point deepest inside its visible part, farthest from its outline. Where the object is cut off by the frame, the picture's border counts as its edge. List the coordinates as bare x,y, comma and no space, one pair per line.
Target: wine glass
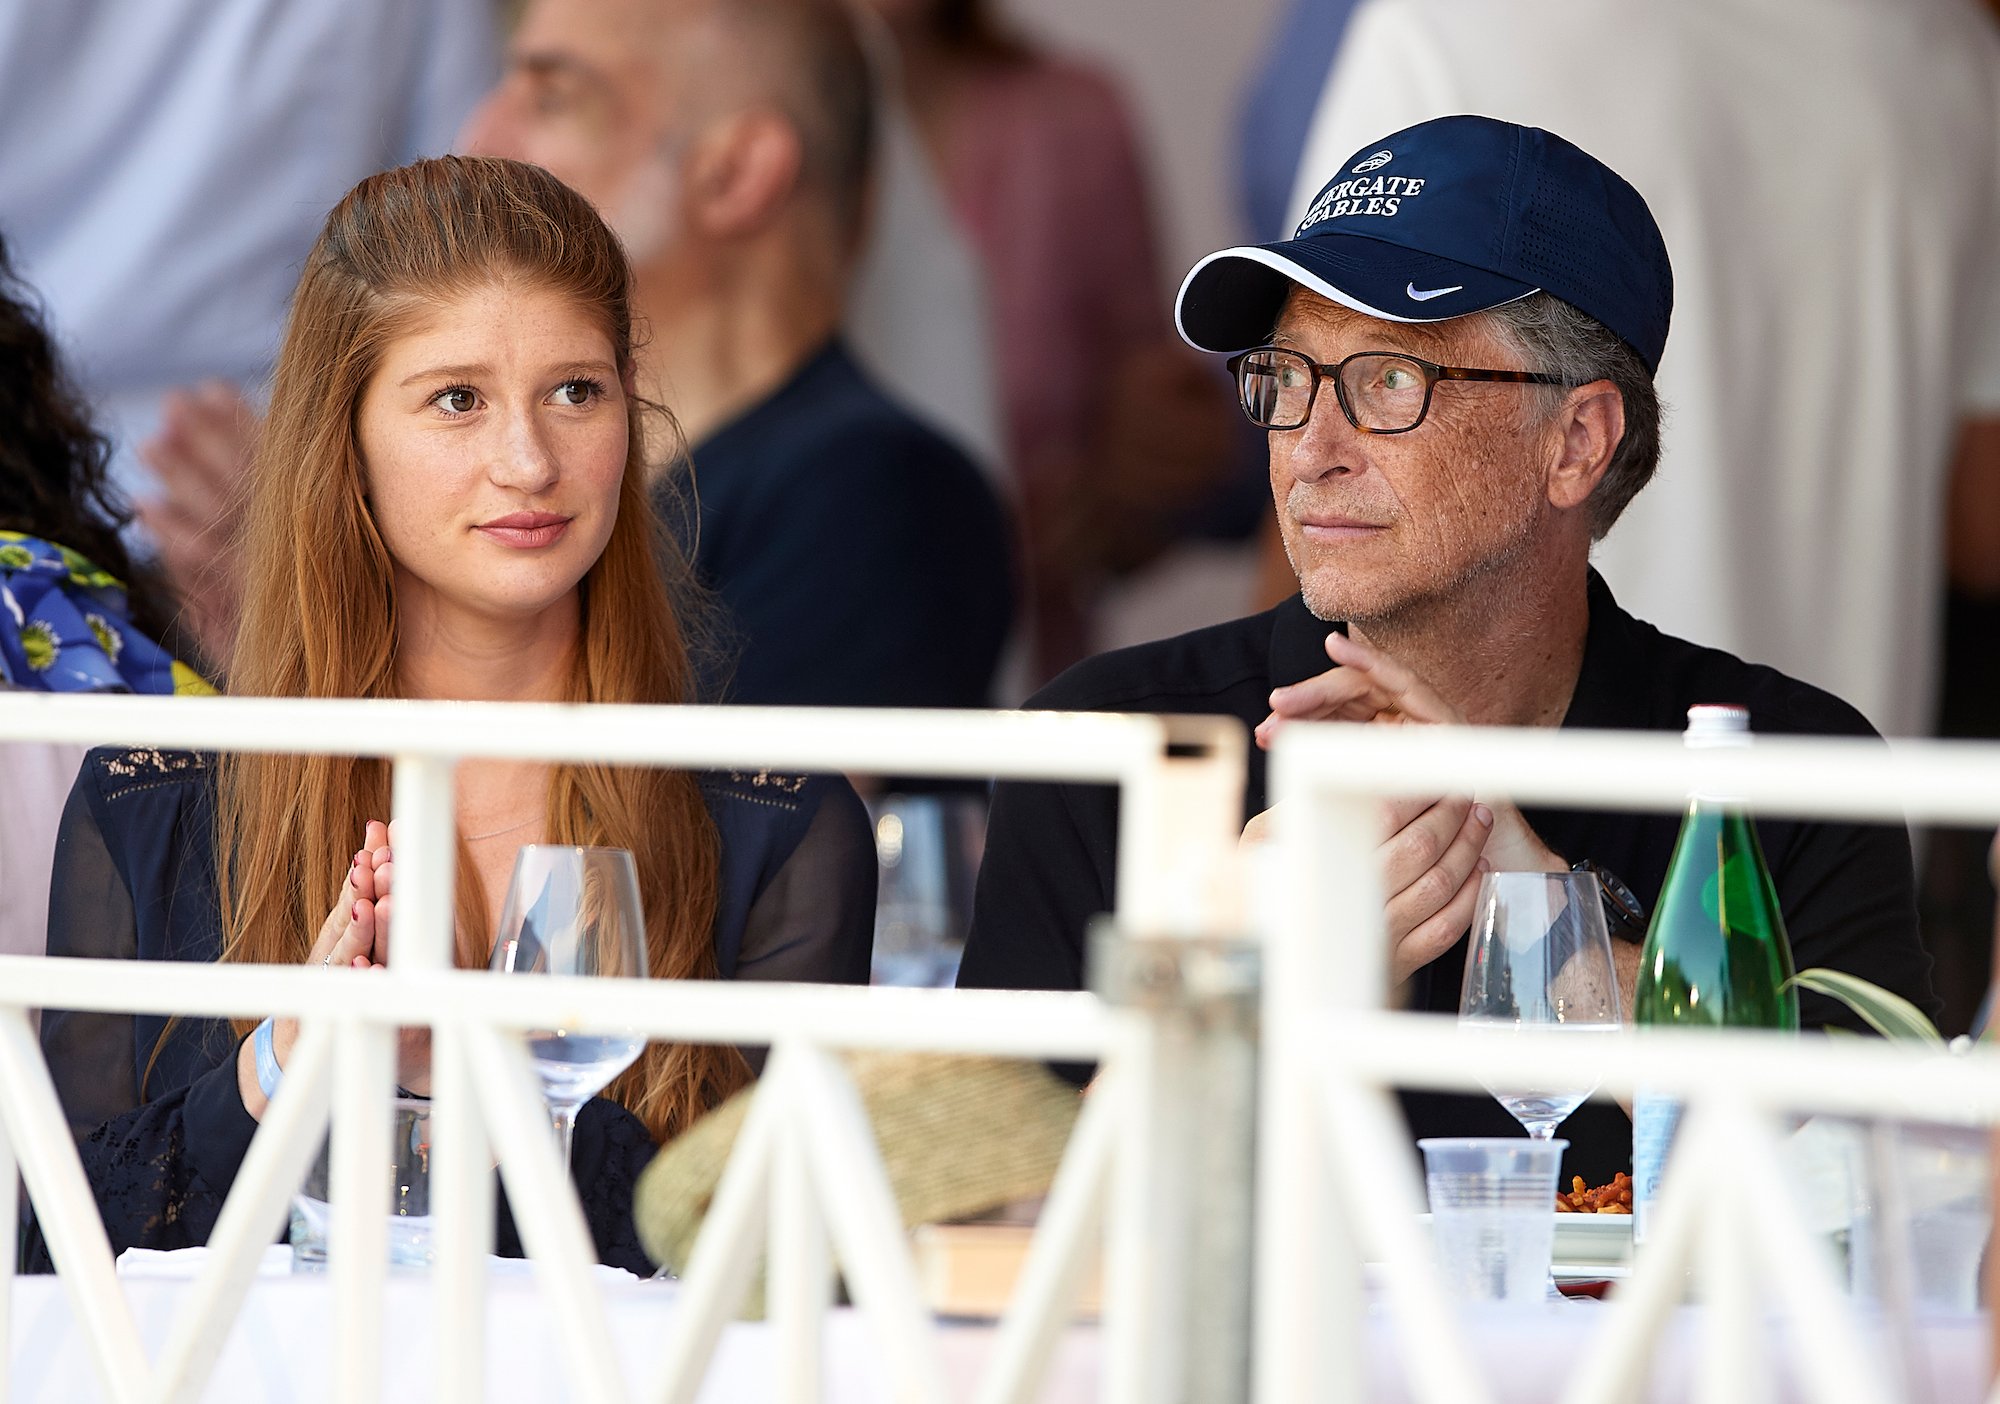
573,911
1540,957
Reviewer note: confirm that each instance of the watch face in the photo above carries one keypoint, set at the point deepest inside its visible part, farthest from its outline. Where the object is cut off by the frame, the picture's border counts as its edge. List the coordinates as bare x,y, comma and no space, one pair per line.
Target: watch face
1623,912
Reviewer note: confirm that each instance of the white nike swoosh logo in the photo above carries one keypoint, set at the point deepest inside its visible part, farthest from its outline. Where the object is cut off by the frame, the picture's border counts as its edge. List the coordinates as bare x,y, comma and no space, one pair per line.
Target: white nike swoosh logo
1427,295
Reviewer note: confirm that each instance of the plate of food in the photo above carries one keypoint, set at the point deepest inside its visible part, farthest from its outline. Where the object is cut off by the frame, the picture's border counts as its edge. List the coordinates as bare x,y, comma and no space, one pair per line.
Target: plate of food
1594,1226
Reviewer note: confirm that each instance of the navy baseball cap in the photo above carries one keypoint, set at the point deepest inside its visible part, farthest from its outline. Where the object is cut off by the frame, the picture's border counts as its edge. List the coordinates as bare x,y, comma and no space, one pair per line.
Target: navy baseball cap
1446,218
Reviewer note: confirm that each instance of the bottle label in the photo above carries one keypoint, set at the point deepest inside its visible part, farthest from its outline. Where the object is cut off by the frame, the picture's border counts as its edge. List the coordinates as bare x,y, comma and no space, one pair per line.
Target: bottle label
1655,1119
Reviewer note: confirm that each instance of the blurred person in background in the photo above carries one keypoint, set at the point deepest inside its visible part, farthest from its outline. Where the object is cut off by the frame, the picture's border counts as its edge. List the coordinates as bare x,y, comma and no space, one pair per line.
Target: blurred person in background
449,503
609,96
1827,176
1273,125
862,558
163,167
1958,891
1114,433
1277,112
76,614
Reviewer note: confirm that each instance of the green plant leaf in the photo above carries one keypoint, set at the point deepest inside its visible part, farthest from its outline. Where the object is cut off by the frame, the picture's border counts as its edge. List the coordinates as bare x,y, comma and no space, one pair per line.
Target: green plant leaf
1887,1013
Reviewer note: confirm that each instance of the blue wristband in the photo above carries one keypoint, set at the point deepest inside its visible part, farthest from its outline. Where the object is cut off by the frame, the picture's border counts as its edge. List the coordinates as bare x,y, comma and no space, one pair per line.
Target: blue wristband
269,1074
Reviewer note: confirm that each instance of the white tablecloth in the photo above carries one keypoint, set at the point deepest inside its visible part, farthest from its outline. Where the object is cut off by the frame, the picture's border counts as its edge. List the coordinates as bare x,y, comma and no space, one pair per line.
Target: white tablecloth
280,1348
1528,1357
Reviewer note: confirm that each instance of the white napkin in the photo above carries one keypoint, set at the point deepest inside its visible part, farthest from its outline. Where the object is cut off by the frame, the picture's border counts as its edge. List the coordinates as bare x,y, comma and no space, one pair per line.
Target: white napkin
277,1262
186,1262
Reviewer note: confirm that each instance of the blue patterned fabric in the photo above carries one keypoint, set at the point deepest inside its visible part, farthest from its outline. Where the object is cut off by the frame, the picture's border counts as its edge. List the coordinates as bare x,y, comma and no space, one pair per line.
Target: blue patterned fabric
64,628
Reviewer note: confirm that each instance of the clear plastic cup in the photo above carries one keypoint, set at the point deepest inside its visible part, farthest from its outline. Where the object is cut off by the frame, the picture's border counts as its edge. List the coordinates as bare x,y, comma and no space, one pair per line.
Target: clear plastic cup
1939,1209
409,1198
1493,1214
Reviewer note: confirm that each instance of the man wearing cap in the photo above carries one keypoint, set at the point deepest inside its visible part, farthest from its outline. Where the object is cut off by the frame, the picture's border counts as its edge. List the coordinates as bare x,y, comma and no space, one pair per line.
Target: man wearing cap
1454,360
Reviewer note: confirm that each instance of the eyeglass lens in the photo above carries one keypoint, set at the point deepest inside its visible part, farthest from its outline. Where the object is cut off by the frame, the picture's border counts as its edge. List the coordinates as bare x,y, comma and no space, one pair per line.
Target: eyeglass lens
1384,393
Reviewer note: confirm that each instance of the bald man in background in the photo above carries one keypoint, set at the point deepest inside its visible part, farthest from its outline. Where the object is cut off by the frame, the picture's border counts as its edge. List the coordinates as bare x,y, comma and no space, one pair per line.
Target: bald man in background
862,558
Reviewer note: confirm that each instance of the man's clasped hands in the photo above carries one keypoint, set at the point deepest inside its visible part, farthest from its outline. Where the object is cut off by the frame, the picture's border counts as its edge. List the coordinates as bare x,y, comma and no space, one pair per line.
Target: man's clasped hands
1433,851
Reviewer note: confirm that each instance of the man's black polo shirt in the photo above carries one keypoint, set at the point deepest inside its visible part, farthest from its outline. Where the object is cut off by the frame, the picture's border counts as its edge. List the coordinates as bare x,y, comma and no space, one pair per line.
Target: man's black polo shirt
1847,891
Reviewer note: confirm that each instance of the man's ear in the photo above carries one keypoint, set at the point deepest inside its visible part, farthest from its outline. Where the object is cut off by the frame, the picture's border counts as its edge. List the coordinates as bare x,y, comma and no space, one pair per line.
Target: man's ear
742,172
1592,424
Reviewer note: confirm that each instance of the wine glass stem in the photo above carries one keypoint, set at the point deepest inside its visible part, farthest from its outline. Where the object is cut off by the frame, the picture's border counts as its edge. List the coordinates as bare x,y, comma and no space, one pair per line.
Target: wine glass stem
563,1115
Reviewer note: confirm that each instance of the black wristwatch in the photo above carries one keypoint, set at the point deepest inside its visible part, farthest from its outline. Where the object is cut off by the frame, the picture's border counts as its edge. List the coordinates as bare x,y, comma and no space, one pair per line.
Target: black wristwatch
1624,914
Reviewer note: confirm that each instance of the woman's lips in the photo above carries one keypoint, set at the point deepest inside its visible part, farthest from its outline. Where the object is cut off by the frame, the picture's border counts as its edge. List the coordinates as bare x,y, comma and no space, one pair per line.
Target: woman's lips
525,531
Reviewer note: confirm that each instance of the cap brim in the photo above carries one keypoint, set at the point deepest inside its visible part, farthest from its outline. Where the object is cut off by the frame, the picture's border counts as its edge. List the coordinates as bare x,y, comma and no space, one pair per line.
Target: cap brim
1230,300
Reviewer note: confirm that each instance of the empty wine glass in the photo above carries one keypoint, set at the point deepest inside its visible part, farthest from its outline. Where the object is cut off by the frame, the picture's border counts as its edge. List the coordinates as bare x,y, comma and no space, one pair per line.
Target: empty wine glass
1540,957
573,911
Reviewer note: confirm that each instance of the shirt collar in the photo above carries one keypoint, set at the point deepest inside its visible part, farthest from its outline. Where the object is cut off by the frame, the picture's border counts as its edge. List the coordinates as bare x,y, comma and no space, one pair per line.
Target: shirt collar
1298,643
830,358
1605,697
1609,692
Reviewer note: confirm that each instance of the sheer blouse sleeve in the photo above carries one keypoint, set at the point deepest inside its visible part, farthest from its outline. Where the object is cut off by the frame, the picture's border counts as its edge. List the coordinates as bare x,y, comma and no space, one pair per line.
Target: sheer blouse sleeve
159,1169
814,921
90,1056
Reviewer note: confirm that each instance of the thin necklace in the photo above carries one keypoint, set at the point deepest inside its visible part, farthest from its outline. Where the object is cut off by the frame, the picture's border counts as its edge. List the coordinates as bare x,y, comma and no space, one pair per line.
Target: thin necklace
477,838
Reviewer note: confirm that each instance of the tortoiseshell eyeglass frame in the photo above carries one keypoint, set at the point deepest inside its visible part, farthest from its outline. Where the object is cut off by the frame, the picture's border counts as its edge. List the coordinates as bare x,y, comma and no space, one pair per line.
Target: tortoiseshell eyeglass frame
1431,371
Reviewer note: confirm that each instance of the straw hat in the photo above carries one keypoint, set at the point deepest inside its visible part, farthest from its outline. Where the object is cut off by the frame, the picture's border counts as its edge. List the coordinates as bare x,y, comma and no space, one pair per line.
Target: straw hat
959,1136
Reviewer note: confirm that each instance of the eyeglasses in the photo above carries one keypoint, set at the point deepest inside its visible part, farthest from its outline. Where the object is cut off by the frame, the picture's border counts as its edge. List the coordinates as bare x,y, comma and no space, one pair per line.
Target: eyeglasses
1380,392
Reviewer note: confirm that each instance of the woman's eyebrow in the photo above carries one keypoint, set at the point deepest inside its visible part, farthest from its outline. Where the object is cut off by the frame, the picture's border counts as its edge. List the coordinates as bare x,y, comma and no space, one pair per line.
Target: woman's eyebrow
581,366
445,373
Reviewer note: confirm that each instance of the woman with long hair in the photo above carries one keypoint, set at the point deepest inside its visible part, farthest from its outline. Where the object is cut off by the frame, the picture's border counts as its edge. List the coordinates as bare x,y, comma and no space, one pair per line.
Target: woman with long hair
77,615
448,502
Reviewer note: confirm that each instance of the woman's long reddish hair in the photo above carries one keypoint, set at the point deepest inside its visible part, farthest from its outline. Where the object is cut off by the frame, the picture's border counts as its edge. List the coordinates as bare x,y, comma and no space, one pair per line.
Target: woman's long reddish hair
319,614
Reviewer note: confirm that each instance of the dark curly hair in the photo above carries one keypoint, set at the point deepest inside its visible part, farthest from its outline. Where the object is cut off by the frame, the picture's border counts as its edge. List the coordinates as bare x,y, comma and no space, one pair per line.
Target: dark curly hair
54,466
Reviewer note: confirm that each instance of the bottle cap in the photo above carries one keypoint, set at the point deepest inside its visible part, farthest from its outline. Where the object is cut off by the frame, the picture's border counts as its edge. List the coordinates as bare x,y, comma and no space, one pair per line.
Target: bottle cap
1713,725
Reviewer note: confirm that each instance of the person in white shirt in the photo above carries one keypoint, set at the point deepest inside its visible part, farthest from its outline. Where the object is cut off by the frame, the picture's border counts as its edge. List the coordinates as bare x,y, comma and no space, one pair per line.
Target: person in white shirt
1827,177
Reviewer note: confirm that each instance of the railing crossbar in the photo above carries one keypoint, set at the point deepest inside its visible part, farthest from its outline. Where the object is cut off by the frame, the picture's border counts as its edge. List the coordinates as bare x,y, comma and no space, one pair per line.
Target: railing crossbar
1835,1076
1954,782
1071,1026
1087,746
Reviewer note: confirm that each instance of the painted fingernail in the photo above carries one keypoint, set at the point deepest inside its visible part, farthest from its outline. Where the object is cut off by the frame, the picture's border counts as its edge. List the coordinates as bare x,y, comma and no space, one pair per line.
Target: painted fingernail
1483,815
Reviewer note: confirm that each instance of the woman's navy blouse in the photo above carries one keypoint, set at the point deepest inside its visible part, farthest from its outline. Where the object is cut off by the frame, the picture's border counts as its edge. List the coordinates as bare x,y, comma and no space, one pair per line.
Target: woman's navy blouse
154,1101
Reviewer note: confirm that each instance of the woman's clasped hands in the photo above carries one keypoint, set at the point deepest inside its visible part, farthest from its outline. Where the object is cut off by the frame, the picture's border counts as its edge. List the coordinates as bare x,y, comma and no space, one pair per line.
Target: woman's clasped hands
354,936
356,932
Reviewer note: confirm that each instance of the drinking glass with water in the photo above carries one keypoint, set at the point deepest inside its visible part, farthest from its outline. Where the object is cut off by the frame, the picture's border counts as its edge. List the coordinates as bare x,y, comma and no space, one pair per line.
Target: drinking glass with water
574,911
1540,958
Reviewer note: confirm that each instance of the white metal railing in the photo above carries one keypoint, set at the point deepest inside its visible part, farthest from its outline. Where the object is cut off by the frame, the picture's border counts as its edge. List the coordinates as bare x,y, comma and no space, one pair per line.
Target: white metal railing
806,1165
1326,1201
1331,1061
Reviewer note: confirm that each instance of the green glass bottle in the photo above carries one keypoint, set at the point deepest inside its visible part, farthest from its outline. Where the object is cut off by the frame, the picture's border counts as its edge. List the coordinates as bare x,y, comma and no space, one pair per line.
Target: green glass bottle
1716,953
